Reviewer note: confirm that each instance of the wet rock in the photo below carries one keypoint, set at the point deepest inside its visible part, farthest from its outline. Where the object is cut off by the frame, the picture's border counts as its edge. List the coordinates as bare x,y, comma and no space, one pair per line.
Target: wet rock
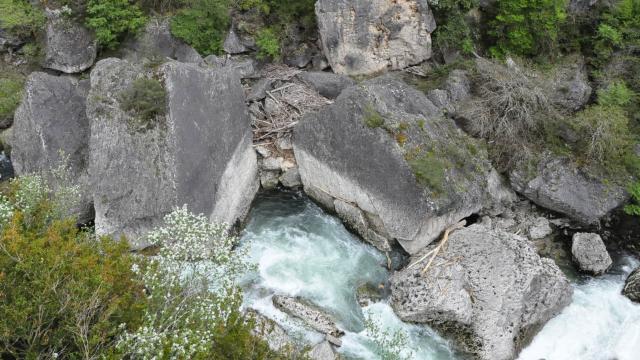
322,351
275,336
269,179
589,253
540,228
632,286
385,148
361,37
201,158
50,125
290,178
356,219
368,294
157,43
326,84
559,186
6,167
69,46
488,290
313,317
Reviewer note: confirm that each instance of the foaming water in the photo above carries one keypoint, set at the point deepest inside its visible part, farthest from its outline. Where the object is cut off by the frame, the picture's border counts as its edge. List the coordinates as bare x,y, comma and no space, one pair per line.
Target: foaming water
301,251
599,324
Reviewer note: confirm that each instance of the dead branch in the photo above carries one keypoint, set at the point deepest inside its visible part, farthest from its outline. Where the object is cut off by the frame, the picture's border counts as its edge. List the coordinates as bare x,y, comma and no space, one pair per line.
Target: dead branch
444,240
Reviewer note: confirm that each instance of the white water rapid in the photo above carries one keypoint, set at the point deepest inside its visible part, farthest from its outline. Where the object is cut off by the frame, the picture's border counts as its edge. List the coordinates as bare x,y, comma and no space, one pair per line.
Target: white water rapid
301,251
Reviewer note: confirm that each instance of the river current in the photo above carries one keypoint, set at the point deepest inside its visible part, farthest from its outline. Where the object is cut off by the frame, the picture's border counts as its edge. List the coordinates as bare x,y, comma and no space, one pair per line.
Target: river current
299,250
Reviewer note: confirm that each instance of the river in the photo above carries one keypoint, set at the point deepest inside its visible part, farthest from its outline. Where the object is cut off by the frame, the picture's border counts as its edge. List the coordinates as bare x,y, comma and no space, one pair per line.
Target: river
299,250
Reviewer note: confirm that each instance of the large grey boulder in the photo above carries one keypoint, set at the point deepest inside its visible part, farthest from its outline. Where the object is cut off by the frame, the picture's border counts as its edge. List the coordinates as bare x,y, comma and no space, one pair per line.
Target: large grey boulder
50,127
322,351
568,84
69,46
631,287
487,289
199,153
387,150
361,37
156,42
557,184
589,253
327,84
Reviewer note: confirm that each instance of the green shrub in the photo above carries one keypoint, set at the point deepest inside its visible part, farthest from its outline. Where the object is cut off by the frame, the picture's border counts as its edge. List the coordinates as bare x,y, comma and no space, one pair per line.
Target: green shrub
203,25
194,303
616,94
10,94
63,293
20,18
268,44
113,19
605,138
526,27
372,118
146,99
453,31
429,170
617,30
634,207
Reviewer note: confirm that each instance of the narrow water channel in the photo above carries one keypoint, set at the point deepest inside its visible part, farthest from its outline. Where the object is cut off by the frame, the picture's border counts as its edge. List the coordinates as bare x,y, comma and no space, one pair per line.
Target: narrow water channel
299,250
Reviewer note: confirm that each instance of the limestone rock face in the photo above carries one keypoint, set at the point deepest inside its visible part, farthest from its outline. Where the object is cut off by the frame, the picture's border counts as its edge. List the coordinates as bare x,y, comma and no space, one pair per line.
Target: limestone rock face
589,253
632,286
568,85
385,149
69,46
362,37
199,153
559,186
50,124
156,42
489,290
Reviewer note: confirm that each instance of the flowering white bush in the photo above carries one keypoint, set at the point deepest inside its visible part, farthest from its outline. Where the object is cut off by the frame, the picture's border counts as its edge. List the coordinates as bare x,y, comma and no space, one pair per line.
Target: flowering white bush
191,286
30,192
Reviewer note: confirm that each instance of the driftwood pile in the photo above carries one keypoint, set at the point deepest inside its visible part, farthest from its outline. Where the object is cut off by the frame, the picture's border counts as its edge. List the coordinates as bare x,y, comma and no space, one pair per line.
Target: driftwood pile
286,100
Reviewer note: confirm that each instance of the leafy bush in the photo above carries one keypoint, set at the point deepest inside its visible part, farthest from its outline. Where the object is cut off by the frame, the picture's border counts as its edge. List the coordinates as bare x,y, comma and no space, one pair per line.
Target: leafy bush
113,19
194,308
20,18
634,207
162,6
616,94
63,293
453,31
604,135
526,27
268,44
146,99
10,93
203,25
618,30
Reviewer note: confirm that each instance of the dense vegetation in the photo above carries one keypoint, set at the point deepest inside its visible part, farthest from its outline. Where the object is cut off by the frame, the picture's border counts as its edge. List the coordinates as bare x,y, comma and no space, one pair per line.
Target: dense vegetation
65,293
145,99
10,93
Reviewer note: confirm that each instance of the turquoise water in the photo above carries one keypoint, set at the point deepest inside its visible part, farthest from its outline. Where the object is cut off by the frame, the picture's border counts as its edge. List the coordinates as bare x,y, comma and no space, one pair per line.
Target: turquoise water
299,250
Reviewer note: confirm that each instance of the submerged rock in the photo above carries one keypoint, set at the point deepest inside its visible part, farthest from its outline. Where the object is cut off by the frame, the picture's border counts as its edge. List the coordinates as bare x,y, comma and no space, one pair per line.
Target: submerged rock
632,286
313,317
488,289
387,150
589,253
69,46
361,37
50,127
197,153
558,185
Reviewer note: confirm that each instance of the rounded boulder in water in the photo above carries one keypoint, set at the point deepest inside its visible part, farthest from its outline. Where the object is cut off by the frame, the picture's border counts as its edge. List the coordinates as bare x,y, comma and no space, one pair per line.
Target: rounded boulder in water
631,287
